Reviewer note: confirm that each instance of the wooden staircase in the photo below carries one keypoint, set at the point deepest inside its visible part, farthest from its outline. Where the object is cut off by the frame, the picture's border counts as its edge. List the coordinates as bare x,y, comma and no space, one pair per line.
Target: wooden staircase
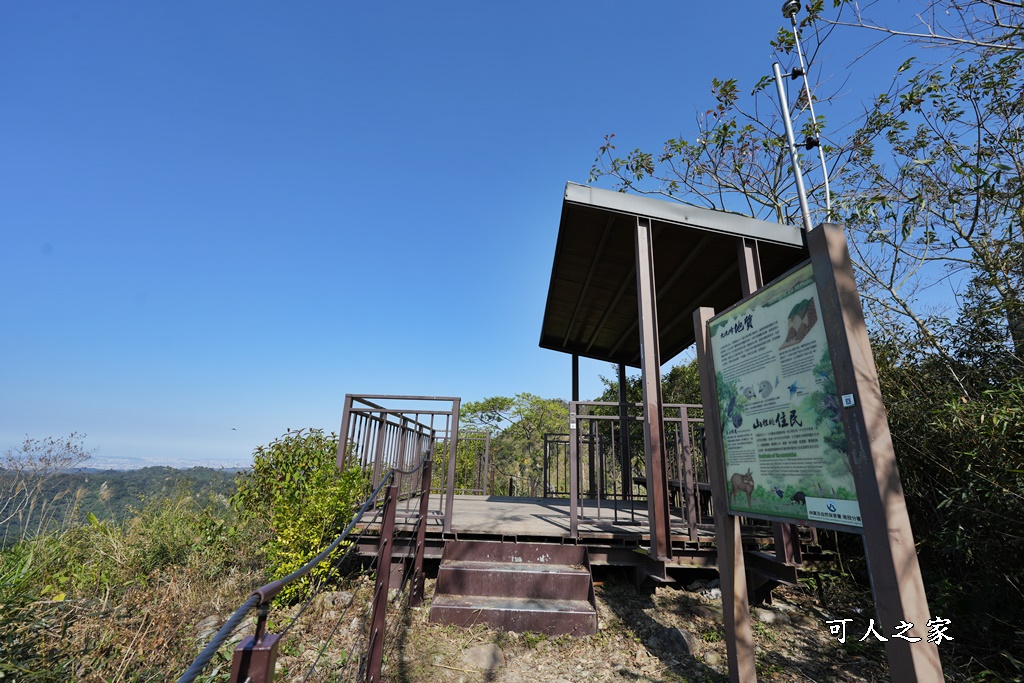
537,587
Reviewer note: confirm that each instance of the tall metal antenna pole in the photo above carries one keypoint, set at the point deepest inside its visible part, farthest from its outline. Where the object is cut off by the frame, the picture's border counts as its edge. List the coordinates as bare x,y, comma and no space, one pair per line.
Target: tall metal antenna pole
790,9
784,106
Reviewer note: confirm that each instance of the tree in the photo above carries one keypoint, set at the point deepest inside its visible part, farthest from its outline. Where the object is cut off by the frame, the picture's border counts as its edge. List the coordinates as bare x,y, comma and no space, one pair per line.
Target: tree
517,425
941,200
681,384
737,158
967,24
927,181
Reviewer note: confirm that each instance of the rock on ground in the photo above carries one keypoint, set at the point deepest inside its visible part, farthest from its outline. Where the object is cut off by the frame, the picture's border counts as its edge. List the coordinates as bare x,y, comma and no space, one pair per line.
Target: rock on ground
486,657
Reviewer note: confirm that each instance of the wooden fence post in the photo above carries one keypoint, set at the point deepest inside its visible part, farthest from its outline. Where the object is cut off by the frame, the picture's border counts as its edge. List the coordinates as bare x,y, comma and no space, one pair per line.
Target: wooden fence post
416,593
375,647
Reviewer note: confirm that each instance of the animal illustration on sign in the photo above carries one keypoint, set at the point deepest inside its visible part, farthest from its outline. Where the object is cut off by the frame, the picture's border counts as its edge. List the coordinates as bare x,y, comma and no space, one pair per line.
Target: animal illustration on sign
742,482
799,497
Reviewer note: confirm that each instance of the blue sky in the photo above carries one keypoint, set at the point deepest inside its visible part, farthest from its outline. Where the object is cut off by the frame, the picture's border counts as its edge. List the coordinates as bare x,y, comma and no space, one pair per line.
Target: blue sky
218,218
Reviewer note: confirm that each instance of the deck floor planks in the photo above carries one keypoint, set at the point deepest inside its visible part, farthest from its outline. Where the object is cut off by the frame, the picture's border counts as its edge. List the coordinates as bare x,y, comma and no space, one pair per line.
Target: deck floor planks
546,517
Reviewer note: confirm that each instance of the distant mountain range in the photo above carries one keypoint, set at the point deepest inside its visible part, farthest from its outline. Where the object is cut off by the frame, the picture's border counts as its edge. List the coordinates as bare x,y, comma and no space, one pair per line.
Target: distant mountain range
101,463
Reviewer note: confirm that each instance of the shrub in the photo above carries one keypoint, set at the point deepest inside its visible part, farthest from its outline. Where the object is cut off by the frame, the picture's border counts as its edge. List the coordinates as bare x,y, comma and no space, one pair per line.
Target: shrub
960,445
26,619
296,489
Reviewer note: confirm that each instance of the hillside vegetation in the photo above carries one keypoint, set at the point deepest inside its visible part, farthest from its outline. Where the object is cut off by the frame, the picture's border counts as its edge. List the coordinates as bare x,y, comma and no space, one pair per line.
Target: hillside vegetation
70,497
114,591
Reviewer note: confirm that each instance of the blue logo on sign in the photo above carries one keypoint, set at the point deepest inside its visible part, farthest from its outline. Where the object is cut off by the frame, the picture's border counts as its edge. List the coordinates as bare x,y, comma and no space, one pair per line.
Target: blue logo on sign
831,506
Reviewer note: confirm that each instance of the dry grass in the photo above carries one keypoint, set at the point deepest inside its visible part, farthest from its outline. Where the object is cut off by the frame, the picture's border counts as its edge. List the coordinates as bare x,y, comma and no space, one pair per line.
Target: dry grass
118,602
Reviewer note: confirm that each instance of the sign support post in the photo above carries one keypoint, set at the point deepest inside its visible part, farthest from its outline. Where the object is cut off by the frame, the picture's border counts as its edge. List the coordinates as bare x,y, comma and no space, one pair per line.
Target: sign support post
888,541
739,636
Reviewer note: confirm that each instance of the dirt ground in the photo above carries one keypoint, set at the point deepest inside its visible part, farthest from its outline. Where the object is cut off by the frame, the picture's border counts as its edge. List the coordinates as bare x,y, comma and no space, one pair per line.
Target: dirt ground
672,634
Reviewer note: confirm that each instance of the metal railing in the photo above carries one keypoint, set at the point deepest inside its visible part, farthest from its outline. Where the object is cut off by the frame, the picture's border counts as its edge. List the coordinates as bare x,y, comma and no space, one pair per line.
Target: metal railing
380,431
256,656
608,464
473,472
555,472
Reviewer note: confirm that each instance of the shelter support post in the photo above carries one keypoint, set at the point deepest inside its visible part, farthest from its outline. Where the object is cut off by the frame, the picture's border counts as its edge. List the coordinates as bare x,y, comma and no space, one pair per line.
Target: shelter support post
787,539
889,542
650,368
739,636
575,377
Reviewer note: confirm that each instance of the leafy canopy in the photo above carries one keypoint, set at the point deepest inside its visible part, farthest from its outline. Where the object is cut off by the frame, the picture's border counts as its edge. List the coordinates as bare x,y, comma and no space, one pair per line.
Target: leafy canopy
517,425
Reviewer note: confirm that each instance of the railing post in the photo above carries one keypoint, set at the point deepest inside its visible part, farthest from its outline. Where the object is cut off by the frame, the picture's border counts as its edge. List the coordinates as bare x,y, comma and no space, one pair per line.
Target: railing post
487,466
591,478
624,447
690,489
416,594
544,468
346,416
375,647
255,657
453,447
378,457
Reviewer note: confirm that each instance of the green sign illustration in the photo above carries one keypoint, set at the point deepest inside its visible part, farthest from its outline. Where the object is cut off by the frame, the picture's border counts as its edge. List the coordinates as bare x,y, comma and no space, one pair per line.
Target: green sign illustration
785,447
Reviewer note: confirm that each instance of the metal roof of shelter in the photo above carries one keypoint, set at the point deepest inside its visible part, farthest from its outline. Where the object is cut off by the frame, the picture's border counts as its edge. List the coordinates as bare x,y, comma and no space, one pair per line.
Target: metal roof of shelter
591,306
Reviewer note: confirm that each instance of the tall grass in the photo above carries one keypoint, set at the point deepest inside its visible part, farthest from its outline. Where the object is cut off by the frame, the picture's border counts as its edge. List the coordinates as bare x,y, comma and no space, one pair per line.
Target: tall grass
27,508
106,601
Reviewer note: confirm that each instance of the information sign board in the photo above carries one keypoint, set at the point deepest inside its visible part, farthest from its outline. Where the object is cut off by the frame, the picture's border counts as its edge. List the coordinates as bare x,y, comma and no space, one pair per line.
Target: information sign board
783,438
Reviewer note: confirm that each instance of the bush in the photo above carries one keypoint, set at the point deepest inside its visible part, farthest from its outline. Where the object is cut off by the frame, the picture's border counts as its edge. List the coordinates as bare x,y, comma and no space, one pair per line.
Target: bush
960,446
26,618
295,488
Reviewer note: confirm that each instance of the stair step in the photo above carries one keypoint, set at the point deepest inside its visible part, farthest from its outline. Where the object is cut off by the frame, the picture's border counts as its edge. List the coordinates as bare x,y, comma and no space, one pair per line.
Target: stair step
519,566
525,579
548,616
538,587
528,553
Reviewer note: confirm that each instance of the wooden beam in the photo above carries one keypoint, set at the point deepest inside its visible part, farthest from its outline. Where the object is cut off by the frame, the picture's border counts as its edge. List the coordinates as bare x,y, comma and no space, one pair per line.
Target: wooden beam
590,276
677,273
